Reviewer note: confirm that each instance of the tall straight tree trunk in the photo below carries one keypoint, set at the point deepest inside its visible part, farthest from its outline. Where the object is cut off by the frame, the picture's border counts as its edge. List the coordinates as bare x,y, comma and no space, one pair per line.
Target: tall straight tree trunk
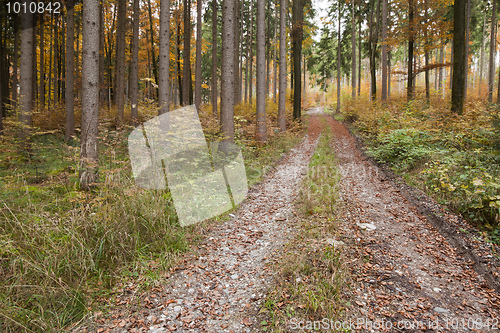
227,77
178,47
26,77
481,59
247,64
151,36
389,56
186,59
177,87
15,60
197,90
164,59
89,172
261,130
353,53
34,64
236,51
41,87
251,51
441,61
467,33
275,65
56,58
426,56
410,52
134,75
298,14
384,51
282,95
491,76
120,60
70,67
214,58
338,62
49,91
359,58
457,92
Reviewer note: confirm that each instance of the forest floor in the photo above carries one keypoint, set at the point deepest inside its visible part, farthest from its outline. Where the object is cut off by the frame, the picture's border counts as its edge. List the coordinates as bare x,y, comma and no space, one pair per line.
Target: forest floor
412,265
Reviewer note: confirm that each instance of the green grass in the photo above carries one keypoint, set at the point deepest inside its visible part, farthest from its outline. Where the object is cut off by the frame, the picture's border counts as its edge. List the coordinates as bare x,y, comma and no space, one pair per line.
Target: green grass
311,278
62,249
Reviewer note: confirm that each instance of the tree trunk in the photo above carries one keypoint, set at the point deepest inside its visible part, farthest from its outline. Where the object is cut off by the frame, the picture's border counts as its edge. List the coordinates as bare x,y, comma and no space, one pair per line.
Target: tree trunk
384,51
467,33
457,92
353,53
120,60
186,56
26,77
481,60
441,61
251,52
178,47
338,61
197,91
89,173
41,87
134,75
70,64
298,14
261,131
15,60
214,58
359,58
275,65
410,52
227,77
282,94
151,36
426,56
236,53
389,55
491,77
177,87
164,61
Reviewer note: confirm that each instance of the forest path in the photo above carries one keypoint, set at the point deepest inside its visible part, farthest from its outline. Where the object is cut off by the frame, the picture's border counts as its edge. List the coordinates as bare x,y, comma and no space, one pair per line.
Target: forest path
222,287
408,276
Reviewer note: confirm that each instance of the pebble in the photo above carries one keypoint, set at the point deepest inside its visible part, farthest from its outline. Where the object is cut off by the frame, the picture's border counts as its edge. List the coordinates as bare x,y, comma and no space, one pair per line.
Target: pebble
177,308
441,310
234,276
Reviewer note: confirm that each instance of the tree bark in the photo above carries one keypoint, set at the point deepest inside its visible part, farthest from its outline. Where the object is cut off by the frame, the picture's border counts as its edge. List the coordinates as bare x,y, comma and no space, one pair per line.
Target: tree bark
227,77
236,51
89,172
275,65
151,36
214,58
491,77
298,14
282,93
467,33
426,56
70,67
384,51
410,52
481,59
186,56
338,60
164,61
26,77
359,58
197,90
353,56
261,131
251,51
134,75
41,86
120,60
457,92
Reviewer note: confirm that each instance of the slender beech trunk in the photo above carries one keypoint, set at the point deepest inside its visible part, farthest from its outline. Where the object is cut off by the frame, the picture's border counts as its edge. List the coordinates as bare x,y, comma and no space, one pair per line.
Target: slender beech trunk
491,77
214,59
134,74
298,14
164,58
481,60
120,61
236,53
26,78
282,93
459,62
15,60
426,56
197,89
353,53
227,75
384,51
275,65
338,62
151,36
41,87
186,56
251,52
410,52
70,67
261,130
467,34
359,58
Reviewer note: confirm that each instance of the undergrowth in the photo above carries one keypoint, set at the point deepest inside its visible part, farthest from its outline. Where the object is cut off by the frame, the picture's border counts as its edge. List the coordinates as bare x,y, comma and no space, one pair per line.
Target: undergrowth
311,279
455,159
63,250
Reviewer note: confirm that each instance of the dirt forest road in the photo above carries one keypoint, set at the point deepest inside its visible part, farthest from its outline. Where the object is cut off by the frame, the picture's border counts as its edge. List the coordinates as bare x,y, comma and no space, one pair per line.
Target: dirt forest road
409,277
406,276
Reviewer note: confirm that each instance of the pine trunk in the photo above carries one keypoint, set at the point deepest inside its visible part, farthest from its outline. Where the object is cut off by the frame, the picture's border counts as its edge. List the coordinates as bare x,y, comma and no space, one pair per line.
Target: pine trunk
70,64
261,131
